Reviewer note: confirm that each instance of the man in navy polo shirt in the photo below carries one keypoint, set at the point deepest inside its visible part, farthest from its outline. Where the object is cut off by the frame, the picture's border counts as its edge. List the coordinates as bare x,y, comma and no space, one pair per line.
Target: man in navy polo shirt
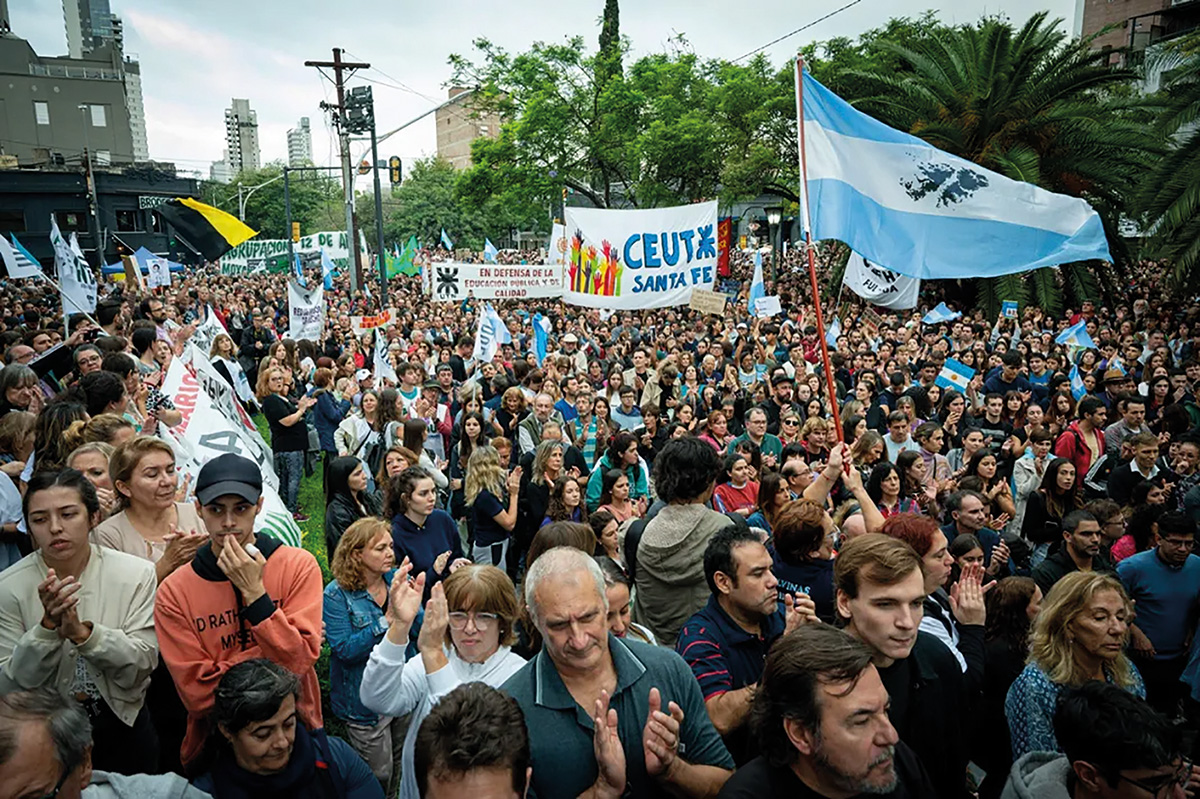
726,642
1165,584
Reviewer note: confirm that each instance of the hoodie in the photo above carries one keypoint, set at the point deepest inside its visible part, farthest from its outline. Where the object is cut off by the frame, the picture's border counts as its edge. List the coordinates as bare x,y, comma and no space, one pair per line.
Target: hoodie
1038,775
203,629
140,786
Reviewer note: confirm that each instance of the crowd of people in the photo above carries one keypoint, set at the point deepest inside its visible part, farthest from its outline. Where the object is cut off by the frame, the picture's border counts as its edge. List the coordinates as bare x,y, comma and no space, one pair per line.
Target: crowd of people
674,556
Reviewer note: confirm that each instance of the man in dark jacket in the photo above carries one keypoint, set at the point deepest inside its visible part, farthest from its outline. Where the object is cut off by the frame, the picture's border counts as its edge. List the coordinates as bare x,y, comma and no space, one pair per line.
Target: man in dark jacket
256,340
1079,551
881,590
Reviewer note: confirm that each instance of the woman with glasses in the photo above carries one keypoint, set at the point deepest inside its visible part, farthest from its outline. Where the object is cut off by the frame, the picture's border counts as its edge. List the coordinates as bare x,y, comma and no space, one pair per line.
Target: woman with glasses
466,636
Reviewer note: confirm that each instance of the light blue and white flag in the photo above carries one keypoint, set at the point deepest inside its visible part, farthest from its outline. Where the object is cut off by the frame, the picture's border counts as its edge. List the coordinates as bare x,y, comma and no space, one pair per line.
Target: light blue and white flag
541,334
381,363
758,289
1077,387
955,374
489,251
489,335
908,206
1116,364
328,268
446,242
1076,336
941,313
299,269
18,261
835,330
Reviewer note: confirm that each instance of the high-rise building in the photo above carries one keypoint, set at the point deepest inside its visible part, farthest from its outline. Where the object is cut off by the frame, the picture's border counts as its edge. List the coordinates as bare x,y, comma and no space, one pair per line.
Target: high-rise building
1137,25
241,137
299,139
458,124
219,171
92,27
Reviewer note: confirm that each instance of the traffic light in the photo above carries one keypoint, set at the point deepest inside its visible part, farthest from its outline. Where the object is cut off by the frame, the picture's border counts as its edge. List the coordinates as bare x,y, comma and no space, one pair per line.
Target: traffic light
296,231
360,110
394,170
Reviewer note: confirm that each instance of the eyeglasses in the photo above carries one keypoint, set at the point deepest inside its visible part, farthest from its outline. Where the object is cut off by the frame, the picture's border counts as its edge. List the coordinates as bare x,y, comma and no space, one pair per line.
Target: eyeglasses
62,781
1162,785
790,422
1185,544
483,621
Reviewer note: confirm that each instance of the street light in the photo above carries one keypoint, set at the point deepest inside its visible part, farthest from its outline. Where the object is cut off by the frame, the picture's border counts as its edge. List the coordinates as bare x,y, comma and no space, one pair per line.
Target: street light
774,217
243,200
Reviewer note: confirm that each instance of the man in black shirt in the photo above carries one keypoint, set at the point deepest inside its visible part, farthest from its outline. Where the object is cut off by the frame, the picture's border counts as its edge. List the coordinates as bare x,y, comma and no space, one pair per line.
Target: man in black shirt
821,718
881,590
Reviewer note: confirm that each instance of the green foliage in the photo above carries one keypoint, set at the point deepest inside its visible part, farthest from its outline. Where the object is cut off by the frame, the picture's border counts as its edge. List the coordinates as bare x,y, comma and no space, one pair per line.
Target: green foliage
1170,201
316,200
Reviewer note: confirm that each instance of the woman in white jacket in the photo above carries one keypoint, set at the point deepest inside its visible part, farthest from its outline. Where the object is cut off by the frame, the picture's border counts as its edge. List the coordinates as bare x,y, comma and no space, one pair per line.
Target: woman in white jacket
465,637
78,619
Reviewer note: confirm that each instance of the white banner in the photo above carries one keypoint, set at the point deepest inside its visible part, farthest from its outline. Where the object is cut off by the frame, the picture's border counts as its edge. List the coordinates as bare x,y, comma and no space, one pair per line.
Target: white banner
306,311
880,286
646,258
207,432
251,256
453,282
75,277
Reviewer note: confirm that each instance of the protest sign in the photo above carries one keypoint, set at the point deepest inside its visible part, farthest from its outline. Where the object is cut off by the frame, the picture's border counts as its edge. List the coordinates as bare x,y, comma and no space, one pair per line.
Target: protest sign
1009,309
159,273
306,311
707,302
453,282
361,323
644,258
768,306
880,286
255,255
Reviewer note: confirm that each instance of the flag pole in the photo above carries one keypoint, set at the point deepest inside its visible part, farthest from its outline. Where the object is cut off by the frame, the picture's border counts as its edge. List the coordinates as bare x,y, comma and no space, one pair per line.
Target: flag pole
812,253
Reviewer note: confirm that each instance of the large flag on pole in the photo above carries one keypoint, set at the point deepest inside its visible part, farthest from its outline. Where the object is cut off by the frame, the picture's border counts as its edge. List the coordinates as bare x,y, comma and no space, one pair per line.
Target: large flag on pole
75,278
491,333
1076,336
489,251
210,230
941,313
758,288
446,242
912,208
18,261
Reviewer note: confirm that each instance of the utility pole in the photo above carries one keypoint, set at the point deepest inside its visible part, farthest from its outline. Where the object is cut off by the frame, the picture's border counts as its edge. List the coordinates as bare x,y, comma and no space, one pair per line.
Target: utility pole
339,68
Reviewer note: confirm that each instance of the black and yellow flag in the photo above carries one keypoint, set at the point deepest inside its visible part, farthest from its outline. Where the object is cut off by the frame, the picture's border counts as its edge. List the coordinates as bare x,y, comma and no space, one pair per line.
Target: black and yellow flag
210,230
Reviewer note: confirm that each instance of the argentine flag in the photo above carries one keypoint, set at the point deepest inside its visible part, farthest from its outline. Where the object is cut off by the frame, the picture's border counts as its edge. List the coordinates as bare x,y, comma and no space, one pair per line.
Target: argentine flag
940,314
18,261
446,242
1077,387
908,206
541,333
327,269
758,288
489,251
1076,336
835,330
299,270
955,374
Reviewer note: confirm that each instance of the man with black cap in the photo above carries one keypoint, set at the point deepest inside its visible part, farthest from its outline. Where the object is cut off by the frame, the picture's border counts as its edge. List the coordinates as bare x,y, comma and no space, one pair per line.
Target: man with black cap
243,596
436,416
780,400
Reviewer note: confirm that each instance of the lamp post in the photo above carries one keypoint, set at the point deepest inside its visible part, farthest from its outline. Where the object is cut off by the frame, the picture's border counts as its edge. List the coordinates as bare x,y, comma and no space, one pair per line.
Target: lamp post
774,217
243,200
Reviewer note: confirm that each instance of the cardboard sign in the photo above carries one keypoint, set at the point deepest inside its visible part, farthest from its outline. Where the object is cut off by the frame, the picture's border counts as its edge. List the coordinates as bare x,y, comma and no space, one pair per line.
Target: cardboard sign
707,302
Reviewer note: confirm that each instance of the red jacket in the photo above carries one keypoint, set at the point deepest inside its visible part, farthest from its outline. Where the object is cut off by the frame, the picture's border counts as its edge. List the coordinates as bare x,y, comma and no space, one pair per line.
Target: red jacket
1070,445
203,629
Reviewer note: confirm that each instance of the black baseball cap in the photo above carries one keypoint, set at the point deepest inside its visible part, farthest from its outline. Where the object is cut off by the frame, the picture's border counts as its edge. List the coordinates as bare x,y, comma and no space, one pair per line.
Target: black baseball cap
229,474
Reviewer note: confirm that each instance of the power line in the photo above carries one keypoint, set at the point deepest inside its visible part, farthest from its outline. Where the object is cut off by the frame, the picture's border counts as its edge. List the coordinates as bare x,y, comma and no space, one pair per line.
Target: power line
798,30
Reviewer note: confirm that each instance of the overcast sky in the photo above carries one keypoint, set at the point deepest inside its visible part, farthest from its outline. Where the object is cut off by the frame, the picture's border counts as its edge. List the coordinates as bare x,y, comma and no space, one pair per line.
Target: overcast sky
196,56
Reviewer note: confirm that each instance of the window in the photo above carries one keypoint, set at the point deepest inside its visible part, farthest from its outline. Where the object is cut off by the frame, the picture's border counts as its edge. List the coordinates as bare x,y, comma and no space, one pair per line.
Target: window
129,221
99,117
12,220
41,110
71,220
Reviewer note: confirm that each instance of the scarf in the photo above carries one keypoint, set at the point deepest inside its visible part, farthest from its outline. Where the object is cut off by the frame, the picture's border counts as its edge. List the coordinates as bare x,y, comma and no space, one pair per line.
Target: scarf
307,775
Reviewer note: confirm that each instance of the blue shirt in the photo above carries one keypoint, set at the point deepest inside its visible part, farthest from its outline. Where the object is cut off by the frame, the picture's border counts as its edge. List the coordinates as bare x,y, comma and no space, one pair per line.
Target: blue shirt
1166,598
483,513
561,732
422,545
569,414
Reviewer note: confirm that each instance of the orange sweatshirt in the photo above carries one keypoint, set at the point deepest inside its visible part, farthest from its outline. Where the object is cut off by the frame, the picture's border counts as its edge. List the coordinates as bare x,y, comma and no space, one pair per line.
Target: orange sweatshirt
203,629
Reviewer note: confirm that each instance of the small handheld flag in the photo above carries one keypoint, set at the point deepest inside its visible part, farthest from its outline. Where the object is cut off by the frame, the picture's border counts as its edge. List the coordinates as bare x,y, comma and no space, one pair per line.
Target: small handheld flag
835,330
955,374
489,251
1076,336
446,242
941,313
1078,389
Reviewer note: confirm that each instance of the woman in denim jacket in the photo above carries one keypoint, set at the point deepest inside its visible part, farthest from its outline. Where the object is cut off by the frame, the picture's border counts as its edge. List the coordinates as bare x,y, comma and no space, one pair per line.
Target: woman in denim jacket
355,618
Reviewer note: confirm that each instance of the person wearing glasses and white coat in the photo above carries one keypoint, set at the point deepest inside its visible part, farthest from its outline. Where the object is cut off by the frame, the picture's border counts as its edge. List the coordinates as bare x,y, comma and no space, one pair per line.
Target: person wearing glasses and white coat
465,637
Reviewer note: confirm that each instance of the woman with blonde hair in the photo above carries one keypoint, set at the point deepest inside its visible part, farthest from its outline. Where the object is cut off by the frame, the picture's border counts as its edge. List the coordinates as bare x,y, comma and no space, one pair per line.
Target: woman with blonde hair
110,428
149,522
16,441
1079,635
354,609
91,460
493,502
466,636
224,357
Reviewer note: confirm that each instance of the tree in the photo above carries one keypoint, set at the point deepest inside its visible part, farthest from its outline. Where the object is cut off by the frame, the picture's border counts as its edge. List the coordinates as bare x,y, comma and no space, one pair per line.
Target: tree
1172,188
1032,106
316,201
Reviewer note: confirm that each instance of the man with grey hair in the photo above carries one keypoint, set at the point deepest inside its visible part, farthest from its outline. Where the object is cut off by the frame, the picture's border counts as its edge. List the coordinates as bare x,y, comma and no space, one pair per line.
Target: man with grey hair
607,715
46,750
529,431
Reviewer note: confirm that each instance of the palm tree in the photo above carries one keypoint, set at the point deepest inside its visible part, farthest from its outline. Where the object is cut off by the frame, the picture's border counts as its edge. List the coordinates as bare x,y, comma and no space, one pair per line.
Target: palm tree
1172,197
1033,106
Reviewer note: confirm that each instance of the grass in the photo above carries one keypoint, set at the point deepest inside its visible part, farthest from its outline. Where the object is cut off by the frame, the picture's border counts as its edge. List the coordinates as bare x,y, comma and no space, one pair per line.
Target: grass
312,504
